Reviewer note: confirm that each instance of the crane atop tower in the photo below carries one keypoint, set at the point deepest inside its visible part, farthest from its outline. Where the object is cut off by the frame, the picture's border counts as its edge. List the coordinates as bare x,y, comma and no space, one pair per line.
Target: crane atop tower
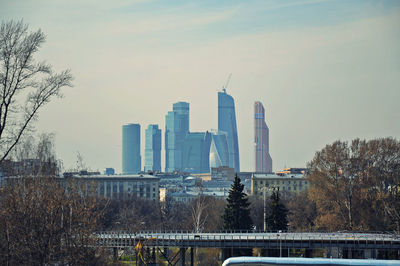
226,83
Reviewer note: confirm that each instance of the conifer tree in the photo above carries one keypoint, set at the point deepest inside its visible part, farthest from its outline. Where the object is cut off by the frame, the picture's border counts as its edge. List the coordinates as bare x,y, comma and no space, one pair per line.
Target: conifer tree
237,213
277,218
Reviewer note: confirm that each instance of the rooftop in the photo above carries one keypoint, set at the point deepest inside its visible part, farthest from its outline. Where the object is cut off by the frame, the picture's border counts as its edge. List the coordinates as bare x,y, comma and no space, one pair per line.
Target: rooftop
276,176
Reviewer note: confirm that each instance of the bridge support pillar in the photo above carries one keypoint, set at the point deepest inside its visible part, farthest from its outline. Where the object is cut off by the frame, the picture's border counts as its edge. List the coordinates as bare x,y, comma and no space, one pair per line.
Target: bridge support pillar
182,256
347,253
366,254
308,253
115,255
166,251
153,255
333,252
192,256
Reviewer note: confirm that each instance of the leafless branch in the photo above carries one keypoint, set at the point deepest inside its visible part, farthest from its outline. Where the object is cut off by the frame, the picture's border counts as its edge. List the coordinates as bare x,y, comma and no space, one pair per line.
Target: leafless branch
21,75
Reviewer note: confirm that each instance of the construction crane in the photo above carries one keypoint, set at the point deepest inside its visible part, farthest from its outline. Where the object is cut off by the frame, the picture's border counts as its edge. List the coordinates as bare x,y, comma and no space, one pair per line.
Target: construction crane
226,83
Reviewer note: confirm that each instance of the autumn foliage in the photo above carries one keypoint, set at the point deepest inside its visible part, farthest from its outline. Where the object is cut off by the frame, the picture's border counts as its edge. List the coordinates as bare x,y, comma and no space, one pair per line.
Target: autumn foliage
356,186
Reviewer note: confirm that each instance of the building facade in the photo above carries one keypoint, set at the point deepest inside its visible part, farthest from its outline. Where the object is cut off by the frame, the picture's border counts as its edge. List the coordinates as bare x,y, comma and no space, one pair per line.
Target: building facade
263,160
265,183
122,186
176,129
219,153
196,152
152,161
222,173
227,123
182,197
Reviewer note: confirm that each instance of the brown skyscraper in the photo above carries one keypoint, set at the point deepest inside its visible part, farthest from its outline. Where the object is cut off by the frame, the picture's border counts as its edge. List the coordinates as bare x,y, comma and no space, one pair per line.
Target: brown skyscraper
261,140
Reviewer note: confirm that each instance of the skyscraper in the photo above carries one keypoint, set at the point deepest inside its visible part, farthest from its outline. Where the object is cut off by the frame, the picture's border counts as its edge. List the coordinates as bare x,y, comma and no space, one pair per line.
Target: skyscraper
219,154
131,159
152,161
176,129
261,140
196,152
182,108
227,123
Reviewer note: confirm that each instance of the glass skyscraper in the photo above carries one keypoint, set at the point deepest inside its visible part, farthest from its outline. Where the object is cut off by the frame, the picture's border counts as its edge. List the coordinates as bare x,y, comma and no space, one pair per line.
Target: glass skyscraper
176,129
152,159
261,140
219,154
131,159
227,123
196,152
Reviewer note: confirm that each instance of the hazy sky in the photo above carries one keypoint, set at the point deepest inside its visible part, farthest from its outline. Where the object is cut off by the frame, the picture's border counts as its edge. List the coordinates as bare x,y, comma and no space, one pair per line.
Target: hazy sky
324,70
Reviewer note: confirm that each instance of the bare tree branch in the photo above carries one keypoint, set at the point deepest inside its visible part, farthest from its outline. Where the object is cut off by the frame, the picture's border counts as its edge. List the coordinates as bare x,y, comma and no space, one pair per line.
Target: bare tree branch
20,74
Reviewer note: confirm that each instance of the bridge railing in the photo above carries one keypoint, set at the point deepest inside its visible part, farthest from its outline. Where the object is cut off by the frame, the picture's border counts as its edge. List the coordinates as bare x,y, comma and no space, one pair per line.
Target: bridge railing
245,239
246,232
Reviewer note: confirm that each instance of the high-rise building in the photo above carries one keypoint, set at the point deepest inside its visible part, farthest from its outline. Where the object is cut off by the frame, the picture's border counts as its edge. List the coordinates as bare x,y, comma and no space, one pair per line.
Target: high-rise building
227,123
219,154
182,108
176,129
152,160
131,159
261,140
196,153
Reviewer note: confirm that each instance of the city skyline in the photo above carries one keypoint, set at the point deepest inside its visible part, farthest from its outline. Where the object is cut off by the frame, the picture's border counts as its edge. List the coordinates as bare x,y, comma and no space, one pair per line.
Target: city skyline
324,69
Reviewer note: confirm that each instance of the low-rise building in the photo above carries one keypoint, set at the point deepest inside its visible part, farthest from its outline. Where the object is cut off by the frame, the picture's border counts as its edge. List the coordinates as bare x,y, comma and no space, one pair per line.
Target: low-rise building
122,186
29,168
109,171
222,173
265,183
182,196
292,170
203,176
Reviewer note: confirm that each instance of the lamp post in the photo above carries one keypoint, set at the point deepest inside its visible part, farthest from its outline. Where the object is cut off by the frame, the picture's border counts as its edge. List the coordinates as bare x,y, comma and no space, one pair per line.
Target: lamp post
265,209
265,204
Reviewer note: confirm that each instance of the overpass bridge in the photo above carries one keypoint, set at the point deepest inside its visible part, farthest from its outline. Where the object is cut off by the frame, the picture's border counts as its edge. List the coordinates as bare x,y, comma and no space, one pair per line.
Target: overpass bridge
269,240
336,243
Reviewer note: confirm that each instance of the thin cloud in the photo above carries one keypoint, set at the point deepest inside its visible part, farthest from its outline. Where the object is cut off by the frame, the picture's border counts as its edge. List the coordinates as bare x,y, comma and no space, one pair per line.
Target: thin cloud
295,4
164,23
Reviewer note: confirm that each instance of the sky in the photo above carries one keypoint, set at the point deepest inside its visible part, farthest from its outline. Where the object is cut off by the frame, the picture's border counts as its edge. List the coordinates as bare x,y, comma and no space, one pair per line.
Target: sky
324,70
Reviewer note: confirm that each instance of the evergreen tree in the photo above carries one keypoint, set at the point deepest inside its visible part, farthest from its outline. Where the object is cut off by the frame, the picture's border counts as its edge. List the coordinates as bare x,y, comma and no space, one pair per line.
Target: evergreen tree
237,216
277,218
237,213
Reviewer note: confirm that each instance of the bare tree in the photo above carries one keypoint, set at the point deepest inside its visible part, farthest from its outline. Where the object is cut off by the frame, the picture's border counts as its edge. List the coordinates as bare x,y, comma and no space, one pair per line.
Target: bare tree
33,157
44,222
22,77
198,215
